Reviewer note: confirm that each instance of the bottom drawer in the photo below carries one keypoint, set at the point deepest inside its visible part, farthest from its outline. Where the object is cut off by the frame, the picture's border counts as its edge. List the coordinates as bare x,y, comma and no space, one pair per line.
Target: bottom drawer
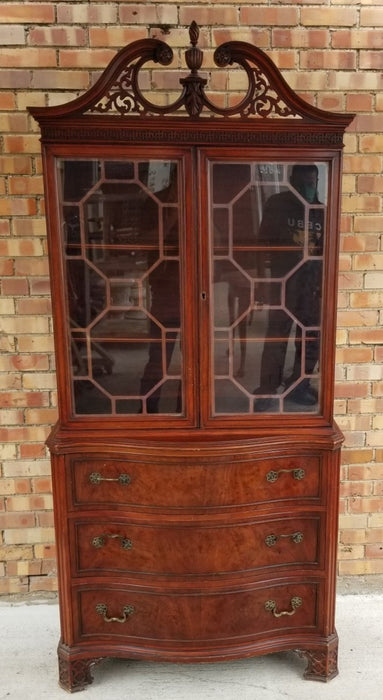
190,618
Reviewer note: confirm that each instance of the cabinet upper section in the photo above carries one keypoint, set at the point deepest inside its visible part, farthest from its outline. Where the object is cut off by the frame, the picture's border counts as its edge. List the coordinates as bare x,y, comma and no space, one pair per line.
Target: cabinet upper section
193,247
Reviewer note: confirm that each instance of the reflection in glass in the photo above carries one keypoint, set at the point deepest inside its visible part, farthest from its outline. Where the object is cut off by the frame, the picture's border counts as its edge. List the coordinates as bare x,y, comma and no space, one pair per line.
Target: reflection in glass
267,237
121,222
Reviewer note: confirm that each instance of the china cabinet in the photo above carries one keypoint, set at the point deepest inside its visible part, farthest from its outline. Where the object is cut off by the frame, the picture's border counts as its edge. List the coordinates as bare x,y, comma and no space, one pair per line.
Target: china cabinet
193,253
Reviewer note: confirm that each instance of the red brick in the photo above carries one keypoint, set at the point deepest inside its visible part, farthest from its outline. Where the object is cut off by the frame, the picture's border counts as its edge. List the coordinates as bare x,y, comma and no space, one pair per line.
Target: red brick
40,286
7,101
43,583
366,336
16,286
80,13
147,14
12,520
371,17
357,457
60,79
41,484
27,13
351,389
270,16
57,36
25,185
12,34
85,58
356,39
335,60
329,16
15,79
33,306
14,58
45,519
40,416
18,165
374,551
370,183
32,451
359,102
301,38
21,398
209,15
371,60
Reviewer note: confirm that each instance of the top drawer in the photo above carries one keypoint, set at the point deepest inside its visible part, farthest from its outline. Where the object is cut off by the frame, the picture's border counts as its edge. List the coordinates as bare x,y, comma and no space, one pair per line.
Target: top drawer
113,482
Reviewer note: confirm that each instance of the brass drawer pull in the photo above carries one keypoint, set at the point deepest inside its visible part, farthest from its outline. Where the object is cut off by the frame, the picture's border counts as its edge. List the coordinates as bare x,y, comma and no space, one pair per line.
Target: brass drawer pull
102,610
298,474
296,537
100,541
96,478
295,603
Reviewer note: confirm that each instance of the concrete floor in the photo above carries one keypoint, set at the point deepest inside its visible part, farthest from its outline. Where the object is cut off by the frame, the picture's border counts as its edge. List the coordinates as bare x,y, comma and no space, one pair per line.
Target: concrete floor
28,665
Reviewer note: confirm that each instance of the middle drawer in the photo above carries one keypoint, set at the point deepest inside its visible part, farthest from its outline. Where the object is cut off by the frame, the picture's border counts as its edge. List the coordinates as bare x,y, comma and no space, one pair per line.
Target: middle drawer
120,546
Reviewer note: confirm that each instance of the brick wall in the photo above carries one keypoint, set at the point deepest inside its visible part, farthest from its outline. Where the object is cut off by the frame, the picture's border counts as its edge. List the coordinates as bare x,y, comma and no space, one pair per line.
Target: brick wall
330,52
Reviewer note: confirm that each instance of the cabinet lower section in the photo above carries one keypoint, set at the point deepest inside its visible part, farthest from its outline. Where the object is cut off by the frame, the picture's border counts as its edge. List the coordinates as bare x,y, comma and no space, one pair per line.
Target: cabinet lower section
169,556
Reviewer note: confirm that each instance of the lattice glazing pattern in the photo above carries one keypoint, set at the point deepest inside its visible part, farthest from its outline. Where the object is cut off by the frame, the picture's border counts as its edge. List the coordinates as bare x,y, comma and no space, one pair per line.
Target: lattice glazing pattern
121,229
267,237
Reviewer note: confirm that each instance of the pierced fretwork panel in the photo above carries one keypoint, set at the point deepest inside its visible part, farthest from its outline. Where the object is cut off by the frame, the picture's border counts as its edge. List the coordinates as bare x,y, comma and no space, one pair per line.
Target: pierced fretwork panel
121,224
267,236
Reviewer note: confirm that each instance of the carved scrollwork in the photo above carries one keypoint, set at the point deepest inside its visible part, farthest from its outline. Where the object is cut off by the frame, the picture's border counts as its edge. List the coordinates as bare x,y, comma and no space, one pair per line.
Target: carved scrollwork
118,91
120,96
124,95
265,101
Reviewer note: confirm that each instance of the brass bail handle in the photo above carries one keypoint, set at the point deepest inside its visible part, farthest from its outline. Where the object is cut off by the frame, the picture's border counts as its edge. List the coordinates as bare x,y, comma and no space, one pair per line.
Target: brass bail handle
298,474
272,539
100,540
102,610
271,606
96,478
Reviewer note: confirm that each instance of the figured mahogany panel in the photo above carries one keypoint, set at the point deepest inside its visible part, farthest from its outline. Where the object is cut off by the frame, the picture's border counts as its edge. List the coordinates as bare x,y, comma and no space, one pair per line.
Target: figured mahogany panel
109,482
187,620
194,548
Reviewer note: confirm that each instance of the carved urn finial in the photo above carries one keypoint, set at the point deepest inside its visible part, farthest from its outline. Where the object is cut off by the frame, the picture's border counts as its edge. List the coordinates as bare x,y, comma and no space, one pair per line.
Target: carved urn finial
194,55
193,84
194,33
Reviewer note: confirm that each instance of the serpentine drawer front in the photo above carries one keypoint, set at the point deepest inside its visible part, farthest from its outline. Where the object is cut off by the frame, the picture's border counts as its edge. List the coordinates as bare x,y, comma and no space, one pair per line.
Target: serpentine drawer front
189,619
193,253
117,483
196,547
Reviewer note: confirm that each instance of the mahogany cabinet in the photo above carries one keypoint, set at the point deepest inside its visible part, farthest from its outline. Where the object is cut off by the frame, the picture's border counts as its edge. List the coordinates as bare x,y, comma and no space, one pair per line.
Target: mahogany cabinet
193,249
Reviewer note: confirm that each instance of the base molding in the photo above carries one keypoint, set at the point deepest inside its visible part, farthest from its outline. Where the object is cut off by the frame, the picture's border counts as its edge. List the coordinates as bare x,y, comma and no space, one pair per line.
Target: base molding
75,664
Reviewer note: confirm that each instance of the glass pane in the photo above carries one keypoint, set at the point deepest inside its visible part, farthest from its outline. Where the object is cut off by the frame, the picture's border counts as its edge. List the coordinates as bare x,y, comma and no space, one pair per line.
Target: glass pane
121,226
267,236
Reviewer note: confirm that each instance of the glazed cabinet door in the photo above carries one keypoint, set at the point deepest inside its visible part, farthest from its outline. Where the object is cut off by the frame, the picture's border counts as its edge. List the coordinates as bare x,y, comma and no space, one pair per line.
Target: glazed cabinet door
267,239
125,226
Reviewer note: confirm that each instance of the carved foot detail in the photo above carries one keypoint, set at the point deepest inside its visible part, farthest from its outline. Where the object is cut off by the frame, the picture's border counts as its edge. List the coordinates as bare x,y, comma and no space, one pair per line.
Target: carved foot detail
74,674
322,663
